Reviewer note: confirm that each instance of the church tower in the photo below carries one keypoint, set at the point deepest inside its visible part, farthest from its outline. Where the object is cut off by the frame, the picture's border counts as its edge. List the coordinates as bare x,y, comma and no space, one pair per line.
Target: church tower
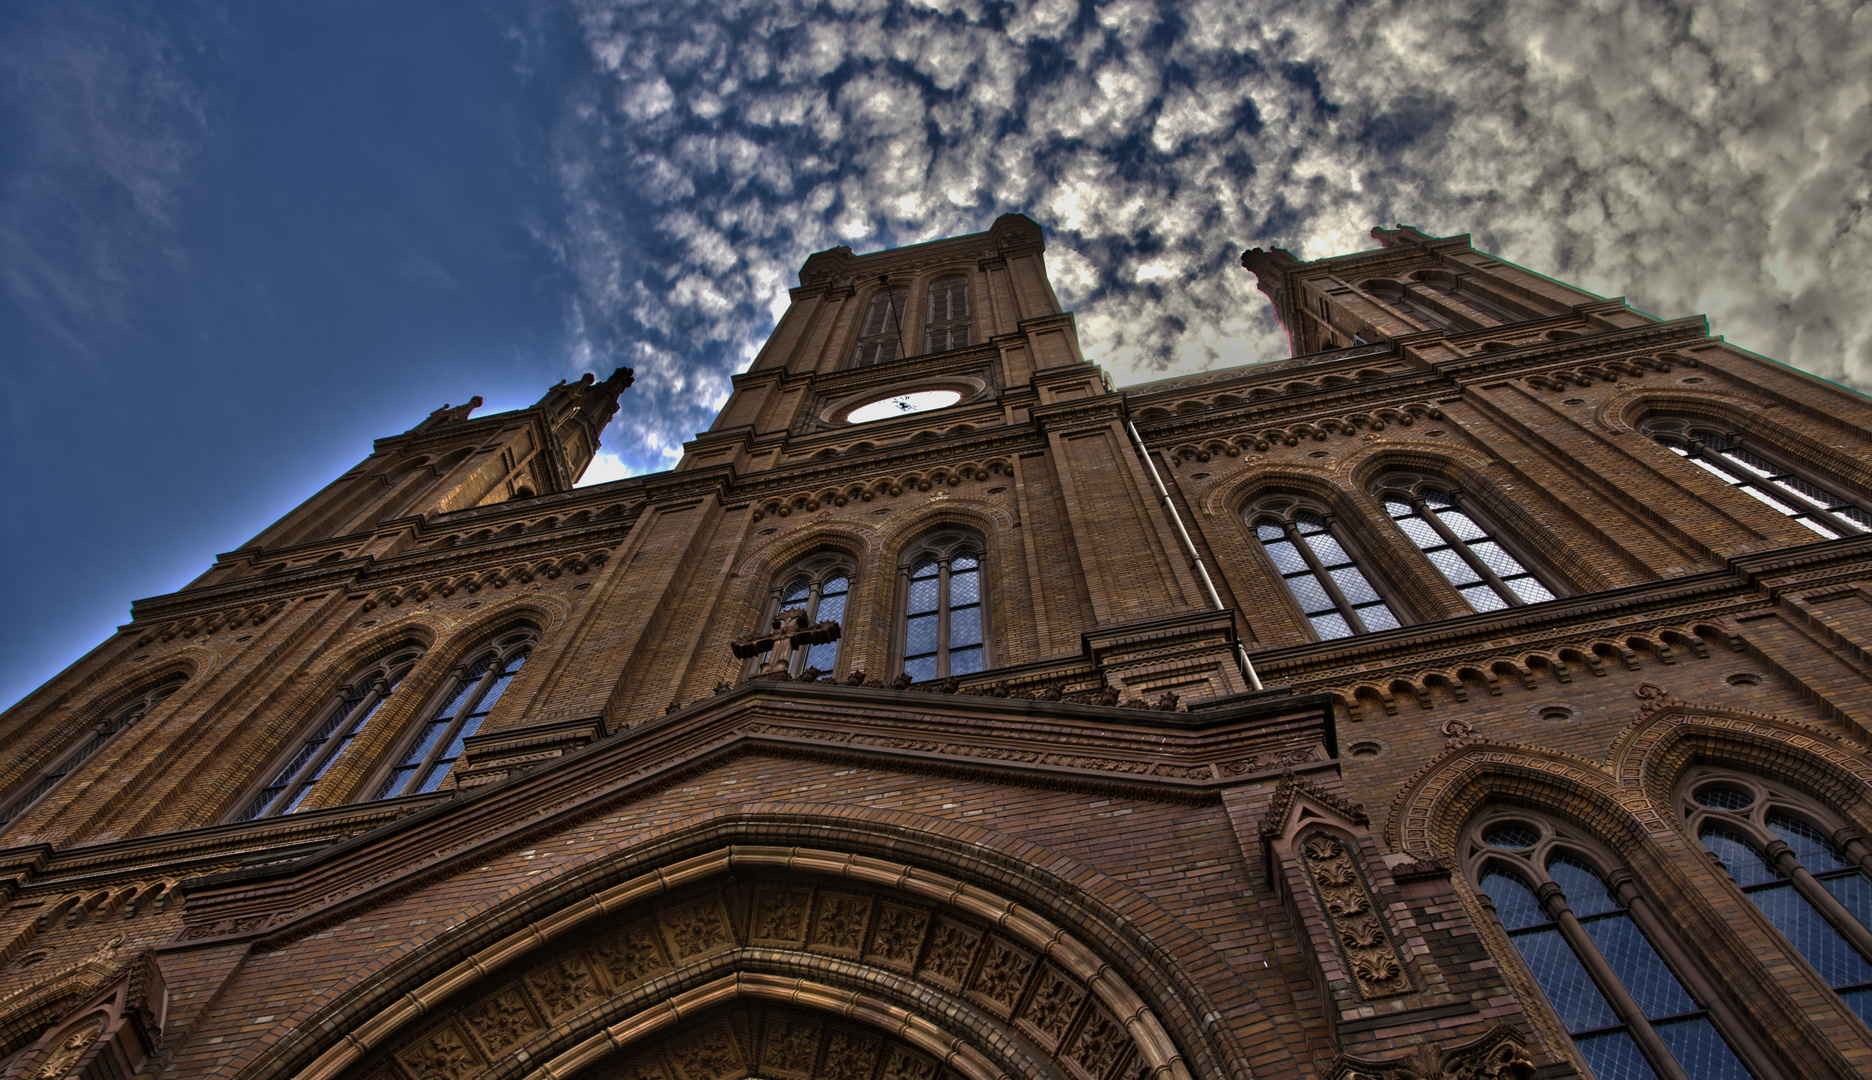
1480,692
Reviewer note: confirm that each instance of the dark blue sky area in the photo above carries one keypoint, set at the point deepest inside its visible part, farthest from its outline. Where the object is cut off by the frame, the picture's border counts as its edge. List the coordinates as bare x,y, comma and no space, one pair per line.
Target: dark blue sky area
242,242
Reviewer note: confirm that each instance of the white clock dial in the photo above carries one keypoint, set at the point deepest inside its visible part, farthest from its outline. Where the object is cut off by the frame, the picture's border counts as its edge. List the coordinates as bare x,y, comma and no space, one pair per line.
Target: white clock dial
903,405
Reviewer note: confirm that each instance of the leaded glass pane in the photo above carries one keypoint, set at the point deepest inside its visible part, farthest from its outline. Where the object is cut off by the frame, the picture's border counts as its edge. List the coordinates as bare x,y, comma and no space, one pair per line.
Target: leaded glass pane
965,661
963,562
493,696
462,689
1462,524
1741,457
1639,967
1855,893
430,733
1725,798
299,797
1310,593
1812,936
1563,978
1530,590
1860,1002
1816,526
1511,838
1268,531
1286,559
437,773
1777,504
796,593
964,588
924,569
923,595
1496,559
1398,508
1739,857
920,636
1436,499
1353,584
921,669
1585,890
964,627
1454,567
1330,625
1701,1049
394,785
823,656
1813,849
1612,1055
1515,904
1378,617
1309,523
831,609
836,585
1801,489
1420,532
1854,516
1326,548
1483,597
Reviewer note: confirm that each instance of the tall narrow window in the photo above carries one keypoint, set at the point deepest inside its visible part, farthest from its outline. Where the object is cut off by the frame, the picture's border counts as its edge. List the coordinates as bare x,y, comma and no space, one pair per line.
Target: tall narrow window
1416,308
1826,512
880,338
949,314
819,587
1335,595
1629,1014
944,630
1819,900
117,719
475,692
1482,570
343,721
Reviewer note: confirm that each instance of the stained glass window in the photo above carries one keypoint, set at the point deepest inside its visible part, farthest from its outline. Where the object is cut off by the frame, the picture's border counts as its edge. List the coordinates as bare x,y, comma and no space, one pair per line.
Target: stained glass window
439,741
945,628
1482,570
1824,512
1334,594
356,707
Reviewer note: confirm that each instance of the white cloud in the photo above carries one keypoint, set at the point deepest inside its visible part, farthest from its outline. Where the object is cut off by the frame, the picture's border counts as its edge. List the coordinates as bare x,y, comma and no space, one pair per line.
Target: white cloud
1703,159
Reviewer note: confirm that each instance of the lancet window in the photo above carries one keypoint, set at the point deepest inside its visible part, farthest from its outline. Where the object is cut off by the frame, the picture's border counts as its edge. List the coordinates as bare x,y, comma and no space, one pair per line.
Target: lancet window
1415,307
117,719
820,586
1770,842
1757,474
1591,950
880,337
948,326
1337,597
1451,535
475,690
943,619
358,703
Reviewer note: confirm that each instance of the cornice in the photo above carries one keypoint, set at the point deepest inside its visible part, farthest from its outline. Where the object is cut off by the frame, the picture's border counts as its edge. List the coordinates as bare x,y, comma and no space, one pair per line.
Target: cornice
1402,388
1079,413
1252,373
1584,349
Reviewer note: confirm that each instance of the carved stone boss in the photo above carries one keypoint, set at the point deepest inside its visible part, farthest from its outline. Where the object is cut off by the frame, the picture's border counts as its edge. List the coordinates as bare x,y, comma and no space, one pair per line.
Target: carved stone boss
1368,950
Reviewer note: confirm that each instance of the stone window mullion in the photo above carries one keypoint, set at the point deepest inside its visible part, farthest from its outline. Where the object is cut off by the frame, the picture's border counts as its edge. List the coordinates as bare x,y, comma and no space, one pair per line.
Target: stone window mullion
1461,547
1325,579
1626,1007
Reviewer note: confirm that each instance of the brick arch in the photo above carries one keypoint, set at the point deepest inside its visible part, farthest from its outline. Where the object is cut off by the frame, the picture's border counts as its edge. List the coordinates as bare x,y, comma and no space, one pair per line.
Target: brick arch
1456,465
1790,433
859,540
1234,497
1430,811
1654,751
989,521
1131,961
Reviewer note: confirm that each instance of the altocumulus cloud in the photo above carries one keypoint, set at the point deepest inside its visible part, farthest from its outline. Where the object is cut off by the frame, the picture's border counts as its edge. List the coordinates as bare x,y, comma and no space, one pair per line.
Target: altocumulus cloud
1714,157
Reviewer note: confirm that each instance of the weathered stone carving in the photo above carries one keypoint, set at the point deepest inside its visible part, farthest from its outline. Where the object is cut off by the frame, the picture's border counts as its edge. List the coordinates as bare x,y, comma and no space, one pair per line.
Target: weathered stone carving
1368,950
789,632
61,1060
1497,1055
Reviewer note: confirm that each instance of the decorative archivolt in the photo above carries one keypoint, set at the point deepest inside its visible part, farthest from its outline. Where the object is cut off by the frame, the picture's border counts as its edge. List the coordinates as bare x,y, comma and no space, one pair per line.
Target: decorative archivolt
1605,371
938,476
1321,429
1456,678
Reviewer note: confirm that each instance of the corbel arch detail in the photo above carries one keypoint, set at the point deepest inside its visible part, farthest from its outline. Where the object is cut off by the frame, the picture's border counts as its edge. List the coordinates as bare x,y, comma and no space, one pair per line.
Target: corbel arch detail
1433,805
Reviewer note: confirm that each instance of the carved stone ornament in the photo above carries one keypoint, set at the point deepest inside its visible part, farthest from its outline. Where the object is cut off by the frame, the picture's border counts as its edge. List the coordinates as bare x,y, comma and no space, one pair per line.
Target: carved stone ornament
789,632
65,1055
1498,1055
1368,950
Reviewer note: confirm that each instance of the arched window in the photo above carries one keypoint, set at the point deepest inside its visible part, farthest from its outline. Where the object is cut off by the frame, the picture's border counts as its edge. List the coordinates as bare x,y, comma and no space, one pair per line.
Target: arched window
880,338
1468,293
1414,307
1629,1013
1449,534
117,718
820,586
1801,497
357,704
948,326
1769,840
477,686
944,629
1334,594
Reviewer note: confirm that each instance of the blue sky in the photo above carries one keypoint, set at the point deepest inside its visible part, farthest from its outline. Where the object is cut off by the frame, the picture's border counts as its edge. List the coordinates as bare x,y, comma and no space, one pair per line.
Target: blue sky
239,241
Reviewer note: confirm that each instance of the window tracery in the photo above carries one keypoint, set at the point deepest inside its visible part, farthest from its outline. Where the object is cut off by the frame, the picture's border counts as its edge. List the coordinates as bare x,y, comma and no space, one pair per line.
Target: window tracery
1336,596
1451,535
880,336
1629,1013
1769,842
357,704
942,614
821,586
948,326
477,688
1745,467
117,719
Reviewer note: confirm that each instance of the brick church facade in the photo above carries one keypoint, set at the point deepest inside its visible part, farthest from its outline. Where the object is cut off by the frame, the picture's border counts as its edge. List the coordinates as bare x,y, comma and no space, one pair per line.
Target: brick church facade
1482,692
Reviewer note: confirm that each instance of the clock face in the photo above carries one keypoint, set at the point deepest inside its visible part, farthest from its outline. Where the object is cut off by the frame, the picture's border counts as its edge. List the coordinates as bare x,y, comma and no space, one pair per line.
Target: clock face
903,405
